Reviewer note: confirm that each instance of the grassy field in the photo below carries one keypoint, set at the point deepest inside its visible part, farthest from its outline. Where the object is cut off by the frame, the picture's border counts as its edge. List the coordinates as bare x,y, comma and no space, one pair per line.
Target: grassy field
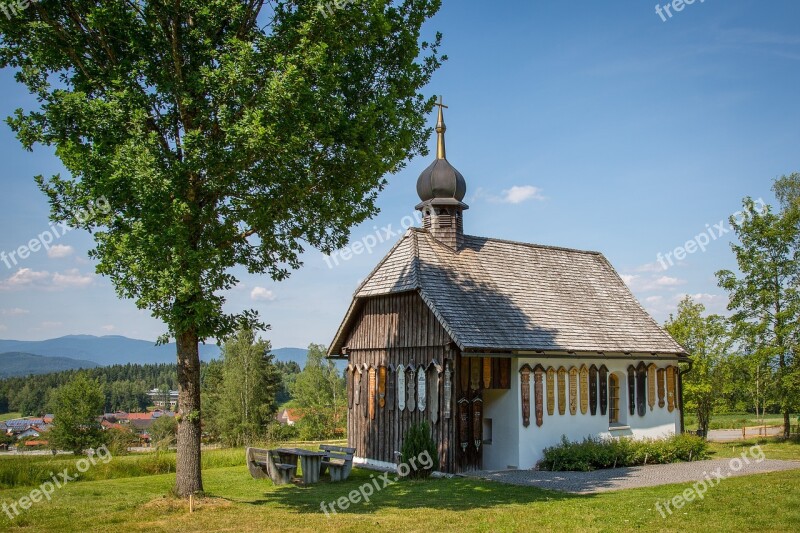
236,502
9,416
737,420
786,450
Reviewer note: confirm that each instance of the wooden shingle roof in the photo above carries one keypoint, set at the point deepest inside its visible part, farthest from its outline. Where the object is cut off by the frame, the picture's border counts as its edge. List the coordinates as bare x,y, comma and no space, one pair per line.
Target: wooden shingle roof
499,296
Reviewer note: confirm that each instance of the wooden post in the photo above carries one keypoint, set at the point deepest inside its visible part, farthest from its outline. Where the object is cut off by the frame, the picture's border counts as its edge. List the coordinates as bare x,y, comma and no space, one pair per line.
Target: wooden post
191,503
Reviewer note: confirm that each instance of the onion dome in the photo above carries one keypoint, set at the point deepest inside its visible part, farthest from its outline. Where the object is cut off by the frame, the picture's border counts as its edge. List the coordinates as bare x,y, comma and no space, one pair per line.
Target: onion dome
441,180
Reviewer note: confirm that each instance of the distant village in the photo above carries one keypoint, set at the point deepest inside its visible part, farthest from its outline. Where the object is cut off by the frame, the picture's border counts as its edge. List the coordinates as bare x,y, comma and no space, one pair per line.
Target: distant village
30,432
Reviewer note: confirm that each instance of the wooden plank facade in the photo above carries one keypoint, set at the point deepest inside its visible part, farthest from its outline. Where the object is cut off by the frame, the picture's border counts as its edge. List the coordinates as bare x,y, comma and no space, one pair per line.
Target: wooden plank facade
399,332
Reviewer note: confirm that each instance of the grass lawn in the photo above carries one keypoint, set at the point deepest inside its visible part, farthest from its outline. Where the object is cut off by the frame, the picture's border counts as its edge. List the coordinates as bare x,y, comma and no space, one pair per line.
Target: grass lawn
236,502
737,420
9,416
773,448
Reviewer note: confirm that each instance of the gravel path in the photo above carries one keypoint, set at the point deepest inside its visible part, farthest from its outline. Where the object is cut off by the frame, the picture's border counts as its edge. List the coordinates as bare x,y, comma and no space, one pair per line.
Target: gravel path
635,477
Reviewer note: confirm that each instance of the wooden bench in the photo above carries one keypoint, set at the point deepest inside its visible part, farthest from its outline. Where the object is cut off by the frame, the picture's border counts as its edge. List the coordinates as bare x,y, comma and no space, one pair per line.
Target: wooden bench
264,464
338,461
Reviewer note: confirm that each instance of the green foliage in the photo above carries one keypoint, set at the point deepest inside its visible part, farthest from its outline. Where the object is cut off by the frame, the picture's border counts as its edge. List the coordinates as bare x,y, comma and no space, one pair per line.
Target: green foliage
765,297
199,137
707,340
76,407
594,453
416,443
119,440
277,432
319,392
240,390
163,432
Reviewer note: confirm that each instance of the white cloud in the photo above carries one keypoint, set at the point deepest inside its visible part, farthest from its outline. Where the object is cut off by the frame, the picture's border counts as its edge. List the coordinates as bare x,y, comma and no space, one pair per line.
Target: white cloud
521,193
48,325
16,311
262,294
109,327
654,299
23,279
650,283
71,278
3,327
60,250
650,267
667,281
515,195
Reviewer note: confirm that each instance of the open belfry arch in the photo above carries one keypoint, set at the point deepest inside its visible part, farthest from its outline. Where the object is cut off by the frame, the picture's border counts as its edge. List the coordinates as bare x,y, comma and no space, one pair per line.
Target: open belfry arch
502,347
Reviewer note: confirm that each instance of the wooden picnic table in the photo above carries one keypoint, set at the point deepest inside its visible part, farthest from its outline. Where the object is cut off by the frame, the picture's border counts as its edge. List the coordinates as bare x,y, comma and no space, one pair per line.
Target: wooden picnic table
310,462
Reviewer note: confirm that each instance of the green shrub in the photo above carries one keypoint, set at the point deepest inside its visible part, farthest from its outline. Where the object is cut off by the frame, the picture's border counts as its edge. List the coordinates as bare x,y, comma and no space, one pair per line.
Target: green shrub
419,443
594,453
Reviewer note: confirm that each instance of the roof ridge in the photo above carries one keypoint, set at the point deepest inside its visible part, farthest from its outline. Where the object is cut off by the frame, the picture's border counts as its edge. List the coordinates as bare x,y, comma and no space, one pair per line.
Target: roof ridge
534,245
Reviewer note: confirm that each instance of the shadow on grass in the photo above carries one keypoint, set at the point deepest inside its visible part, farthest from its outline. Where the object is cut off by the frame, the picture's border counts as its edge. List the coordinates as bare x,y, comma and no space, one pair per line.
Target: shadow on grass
443,494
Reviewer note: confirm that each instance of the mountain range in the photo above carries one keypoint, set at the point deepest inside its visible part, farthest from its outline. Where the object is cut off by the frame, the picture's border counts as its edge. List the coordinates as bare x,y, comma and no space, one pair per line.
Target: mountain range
87,351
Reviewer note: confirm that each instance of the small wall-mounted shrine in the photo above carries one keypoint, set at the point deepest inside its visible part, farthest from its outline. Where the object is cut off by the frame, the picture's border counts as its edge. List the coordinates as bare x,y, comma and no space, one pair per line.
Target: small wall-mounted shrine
502,347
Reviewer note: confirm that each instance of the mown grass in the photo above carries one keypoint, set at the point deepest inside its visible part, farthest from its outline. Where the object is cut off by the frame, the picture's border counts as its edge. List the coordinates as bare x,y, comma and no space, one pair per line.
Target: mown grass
773,448
236,502
9,416
737,420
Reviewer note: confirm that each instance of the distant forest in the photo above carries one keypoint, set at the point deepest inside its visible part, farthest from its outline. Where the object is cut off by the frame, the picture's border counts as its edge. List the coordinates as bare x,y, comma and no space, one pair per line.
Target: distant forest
125,386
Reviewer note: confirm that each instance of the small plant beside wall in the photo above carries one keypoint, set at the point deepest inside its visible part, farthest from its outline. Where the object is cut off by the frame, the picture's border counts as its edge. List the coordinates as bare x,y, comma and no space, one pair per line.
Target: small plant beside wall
594,454
418,443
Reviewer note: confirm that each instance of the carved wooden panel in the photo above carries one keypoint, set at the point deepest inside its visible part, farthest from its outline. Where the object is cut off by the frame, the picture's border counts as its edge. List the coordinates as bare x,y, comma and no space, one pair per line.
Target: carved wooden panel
422,390
632,389
475,374
487,373
372,379
584,389
411,379
562,392
651,385
464,376
463,419
525,391
538,375
401,388
391,387
381,387
670,388
365,392
505,373
677,388
662,393
573,391
350,392
603,377
641,388
593,390
356,386
551,393
433,388
448,390
477,422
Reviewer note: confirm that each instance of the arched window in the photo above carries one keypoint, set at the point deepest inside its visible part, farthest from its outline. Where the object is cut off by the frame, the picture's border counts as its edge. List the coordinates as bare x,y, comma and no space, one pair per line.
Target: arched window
613,399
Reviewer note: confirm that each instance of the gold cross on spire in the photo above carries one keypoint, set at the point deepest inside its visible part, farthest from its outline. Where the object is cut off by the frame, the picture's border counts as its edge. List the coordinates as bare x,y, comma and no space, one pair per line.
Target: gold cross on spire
440,129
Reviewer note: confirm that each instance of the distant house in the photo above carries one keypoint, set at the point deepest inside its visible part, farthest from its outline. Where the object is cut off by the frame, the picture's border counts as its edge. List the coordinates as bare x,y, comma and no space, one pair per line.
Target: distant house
289,417
164,399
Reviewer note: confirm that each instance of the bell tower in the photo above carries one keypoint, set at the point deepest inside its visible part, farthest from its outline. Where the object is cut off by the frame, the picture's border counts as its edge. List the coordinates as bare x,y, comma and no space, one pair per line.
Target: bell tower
442,188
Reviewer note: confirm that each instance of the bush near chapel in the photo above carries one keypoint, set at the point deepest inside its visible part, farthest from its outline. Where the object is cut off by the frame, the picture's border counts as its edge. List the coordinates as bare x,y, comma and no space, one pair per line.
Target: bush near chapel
418,441
593,453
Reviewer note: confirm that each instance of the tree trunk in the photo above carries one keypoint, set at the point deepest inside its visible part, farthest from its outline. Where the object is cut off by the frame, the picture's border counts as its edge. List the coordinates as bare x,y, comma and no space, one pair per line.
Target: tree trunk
188,476
787,428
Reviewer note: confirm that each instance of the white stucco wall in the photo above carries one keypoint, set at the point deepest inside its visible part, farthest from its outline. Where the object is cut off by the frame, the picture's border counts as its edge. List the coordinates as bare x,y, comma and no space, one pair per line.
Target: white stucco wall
515,446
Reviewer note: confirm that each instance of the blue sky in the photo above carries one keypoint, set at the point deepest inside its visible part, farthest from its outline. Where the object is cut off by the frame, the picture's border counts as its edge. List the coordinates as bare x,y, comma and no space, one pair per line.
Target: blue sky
583,124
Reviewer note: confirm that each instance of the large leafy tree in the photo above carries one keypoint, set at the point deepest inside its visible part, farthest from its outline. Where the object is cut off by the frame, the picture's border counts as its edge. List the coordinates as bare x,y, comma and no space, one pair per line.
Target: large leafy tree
765,296
319,391
221,133
707,340
245,397
76,407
